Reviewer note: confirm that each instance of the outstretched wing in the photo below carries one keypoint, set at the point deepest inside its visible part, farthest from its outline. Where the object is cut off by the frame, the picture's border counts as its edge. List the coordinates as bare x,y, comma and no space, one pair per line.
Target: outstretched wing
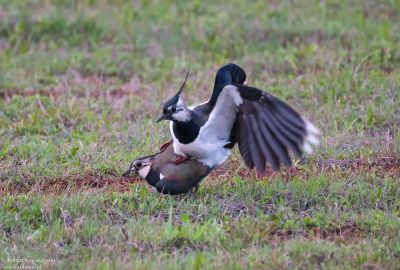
267,129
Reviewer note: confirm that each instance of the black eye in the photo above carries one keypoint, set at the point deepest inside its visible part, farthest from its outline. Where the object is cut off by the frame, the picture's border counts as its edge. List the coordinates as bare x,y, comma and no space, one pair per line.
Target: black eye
173,109
139,164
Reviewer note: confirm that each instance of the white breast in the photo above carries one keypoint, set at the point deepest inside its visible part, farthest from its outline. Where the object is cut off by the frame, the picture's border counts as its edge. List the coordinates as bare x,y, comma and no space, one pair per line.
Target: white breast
208,147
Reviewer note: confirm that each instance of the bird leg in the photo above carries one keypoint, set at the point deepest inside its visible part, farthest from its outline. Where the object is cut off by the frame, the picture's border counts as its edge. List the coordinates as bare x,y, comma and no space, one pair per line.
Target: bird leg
165,145
193,190
179,160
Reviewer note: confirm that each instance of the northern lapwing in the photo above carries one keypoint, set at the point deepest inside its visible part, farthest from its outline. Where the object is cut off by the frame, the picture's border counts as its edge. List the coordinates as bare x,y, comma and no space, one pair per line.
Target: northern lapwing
264,127
160,171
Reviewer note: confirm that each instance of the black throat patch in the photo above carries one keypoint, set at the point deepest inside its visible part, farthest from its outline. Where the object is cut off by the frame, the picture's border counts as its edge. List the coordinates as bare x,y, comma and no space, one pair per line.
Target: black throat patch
153,177
186,132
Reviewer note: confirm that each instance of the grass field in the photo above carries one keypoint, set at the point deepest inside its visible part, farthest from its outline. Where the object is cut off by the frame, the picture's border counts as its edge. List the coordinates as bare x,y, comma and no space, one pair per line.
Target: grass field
82,83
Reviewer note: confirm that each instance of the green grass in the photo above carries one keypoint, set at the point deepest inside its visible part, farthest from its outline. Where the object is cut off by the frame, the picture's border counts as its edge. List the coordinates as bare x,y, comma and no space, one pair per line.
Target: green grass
82,83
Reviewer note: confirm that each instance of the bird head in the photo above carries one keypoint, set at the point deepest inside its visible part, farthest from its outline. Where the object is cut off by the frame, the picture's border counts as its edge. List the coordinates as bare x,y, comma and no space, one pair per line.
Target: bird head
140,166
175,109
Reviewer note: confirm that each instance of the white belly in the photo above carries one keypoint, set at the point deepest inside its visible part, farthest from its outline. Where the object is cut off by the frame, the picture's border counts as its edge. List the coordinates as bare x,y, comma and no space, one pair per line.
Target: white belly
209,153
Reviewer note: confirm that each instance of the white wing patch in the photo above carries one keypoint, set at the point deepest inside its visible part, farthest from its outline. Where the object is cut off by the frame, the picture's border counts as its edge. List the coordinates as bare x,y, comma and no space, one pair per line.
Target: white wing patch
161,176
312,136
223,116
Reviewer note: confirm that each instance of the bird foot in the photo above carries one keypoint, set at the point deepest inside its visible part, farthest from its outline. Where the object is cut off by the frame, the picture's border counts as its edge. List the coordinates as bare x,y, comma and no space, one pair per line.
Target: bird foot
179,160
194,190
165,145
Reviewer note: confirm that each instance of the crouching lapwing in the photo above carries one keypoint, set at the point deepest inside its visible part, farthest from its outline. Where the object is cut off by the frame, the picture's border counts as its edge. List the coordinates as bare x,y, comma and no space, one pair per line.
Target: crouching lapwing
160,171
264,127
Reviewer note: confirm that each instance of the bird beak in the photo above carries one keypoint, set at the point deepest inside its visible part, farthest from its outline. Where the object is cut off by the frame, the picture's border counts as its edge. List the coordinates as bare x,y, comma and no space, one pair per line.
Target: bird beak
126,173
162,117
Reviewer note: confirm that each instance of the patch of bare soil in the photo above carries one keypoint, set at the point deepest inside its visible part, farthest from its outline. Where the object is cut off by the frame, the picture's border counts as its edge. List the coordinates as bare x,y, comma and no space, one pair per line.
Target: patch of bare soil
82,86
386,166
87,183
346,233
